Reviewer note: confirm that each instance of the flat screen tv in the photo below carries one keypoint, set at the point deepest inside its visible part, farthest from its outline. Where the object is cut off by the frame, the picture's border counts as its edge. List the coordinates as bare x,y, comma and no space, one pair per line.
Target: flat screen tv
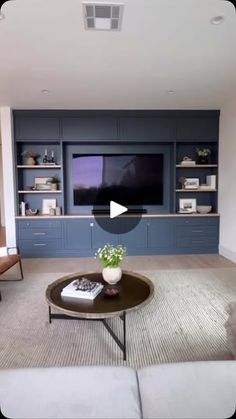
128,179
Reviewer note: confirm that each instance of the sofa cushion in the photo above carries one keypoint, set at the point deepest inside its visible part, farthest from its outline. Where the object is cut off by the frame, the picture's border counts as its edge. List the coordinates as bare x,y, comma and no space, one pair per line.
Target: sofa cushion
188,390
70,392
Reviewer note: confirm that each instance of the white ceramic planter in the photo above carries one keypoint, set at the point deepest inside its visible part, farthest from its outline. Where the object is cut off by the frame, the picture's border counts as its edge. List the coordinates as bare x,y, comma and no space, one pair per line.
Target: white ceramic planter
112,275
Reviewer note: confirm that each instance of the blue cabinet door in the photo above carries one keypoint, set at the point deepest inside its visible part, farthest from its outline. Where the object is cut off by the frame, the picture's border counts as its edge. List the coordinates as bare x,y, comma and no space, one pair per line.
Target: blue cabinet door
100,237
147,128
135,239
198,128
89,128
161,233
77,234
37,128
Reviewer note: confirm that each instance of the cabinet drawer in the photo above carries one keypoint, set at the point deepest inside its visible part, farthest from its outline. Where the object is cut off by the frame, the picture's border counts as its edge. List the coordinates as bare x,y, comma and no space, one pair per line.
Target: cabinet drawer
196,241
35,233
40,244
39,224
193,221
196,231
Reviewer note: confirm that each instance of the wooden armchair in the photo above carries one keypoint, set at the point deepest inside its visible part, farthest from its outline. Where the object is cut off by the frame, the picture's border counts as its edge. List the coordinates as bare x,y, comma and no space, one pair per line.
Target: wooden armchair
8,261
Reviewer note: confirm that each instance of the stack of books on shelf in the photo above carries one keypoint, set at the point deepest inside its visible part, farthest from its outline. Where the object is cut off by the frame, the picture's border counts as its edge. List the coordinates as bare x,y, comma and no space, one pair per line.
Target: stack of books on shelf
188,162
82,288
210,185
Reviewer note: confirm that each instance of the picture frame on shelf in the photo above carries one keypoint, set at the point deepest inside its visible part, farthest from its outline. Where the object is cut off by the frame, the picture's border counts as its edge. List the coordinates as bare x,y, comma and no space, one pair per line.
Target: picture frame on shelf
48,204
187,206
191,183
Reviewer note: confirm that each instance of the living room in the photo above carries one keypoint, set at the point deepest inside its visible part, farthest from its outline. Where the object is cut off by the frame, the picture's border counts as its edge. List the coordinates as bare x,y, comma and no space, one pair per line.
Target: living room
117,158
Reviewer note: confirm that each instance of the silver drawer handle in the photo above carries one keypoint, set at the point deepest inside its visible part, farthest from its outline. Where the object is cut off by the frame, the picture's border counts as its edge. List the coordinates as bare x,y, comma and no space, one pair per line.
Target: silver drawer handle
197,231
91,224
197,241
39,234
40,244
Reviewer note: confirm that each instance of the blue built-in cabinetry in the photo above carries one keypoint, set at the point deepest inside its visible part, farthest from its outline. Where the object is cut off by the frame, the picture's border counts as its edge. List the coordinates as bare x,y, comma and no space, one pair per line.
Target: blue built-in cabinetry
198,127
36,128
76,232
89,128
147,128
152,236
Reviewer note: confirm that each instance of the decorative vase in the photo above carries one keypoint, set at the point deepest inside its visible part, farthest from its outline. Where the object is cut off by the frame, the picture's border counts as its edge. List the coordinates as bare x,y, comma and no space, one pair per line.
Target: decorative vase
203,160
112,275
30,161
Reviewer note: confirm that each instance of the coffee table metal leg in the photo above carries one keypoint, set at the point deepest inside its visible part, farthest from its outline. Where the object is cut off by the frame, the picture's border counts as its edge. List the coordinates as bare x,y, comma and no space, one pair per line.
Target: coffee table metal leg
49,314
124,333
121,345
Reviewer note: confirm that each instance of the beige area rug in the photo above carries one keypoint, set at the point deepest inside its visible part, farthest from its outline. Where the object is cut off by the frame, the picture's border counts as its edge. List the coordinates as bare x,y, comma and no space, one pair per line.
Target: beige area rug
184,322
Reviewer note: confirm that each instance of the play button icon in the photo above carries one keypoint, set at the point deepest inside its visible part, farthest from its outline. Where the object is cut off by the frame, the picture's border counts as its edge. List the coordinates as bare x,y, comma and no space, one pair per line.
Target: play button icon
114,217
116,209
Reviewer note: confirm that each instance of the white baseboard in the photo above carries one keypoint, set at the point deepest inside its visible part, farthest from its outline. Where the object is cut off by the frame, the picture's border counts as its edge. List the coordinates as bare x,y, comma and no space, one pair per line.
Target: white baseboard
227,253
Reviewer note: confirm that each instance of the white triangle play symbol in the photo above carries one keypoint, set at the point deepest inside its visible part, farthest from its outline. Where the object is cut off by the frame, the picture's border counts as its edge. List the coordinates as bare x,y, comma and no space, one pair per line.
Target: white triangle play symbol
116,209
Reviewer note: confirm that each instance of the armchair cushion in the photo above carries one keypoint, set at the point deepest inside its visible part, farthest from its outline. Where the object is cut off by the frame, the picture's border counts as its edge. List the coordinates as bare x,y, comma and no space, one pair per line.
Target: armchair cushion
6,262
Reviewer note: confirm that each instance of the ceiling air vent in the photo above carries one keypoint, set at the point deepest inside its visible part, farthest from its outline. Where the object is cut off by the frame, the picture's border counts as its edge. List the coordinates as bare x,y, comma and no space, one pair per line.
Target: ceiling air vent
102,17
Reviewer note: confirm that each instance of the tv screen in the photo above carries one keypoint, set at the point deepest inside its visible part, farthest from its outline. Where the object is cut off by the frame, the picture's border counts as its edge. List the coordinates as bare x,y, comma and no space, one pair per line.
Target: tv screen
126,179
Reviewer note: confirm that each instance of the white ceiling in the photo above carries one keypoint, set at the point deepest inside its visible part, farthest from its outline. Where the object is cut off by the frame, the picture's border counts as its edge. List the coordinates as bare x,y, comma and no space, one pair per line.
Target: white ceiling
163,45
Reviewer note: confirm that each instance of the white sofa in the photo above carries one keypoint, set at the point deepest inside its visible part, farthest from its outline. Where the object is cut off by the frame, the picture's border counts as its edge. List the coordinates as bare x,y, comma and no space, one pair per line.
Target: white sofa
183,390
230,326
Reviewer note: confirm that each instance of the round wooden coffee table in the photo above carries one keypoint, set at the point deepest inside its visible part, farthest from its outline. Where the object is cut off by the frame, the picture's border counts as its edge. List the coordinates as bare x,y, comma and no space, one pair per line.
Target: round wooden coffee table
135,292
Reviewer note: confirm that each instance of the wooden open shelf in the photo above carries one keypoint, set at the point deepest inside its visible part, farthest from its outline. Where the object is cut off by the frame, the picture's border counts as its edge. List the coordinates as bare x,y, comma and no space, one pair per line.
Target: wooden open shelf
38,166
196,190
196,166
37,192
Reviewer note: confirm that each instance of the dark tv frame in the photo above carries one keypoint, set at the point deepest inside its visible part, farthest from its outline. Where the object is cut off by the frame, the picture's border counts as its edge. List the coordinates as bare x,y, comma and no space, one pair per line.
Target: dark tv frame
96,149
159,197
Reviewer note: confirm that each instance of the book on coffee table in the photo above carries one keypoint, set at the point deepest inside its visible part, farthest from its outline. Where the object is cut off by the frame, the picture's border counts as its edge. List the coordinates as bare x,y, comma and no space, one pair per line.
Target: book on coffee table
79,289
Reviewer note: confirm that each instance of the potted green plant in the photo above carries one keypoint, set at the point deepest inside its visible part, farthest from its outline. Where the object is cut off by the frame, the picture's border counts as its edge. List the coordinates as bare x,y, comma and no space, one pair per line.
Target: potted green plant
111,256
203,155
30,157
54,182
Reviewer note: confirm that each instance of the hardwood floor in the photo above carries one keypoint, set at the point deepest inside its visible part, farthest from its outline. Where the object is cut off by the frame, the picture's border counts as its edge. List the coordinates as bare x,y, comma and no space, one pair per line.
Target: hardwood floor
134,263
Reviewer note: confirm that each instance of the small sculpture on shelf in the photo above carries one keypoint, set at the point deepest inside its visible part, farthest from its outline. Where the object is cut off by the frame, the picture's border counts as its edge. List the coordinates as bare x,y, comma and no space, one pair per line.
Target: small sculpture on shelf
48,160
187,161
182,180
30,157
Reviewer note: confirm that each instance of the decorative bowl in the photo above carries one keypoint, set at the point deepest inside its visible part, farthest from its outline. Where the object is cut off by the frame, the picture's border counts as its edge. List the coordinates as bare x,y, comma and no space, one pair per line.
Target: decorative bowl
111,291
31,211
204,209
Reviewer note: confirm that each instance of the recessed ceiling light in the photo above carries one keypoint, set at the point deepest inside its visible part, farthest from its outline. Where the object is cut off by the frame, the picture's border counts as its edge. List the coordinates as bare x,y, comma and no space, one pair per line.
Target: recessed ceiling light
45,91
170,92
2,16
217,20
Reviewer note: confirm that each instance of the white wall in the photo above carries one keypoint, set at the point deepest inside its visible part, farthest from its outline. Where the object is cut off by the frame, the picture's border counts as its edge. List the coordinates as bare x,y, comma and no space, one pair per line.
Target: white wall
227,181
2,215
8,174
